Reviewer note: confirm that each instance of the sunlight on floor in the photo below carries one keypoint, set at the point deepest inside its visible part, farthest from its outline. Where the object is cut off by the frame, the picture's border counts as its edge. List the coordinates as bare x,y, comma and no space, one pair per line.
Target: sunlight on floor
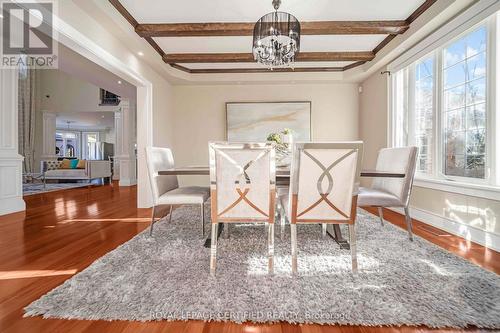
8,275
252,329
128,220
92,209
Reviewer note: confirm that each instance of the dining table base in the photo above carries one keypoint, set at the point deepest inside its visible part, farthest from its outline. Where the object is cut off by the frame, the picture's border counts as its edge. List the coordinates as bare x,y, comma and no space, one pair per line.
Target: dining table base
336,235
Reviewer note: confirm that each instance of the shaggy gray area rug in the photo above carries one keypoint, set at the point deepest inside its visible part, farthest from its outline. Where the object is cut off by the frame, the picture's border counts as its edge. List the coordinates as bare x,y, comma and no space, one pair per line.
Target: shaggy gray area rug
167,277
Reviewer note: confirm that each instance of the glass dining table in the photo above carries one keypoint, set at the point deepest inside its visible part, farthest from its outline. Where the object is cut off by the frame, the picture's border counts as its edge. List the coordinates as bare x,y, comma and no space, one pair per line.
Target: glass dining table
282,179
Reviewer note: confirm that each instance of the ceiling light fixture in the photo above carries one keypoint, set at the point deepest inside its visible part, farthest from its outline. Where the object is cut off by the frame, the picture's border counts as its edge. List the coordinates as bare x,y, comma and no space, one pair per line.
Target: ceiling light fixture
119,82
140,53
276,38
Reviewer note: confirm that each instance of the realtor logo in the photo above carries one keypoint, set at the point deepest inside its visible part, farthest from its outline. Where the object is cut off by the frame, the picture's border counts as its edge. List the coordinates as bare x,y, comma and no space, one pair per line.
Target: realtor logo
28,35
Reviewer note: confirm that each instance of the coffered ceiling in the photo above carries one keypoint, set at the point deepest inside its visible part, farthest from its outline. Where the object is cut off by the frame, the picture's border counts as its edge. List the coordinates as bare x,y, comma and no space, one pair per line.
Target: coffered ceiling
216,36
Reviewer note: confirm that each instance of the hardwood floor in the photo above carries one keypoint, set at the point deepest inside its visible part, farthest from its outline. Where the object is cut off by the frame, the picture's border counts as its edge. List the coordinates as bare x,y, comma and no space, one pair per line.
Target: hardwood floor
63,232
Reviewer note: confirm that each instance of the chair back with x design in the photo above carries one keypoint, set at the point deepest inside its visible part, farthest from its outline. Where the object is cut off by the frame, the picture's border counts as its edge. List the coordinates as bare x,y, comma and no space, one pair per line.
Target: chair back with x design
324,177
242,177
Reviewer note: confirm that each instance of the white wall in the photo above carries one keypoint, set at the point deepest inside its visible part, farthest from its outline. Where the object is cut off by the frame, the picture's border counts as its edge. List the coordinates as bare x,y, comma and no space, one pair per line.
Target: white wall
63,93
373,118
200,114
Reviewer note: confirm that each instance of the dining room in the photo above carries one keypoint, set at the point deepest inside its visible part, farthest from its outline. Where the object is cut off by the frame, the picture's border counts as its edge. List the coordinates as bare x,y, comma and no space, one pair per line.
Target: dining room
322,166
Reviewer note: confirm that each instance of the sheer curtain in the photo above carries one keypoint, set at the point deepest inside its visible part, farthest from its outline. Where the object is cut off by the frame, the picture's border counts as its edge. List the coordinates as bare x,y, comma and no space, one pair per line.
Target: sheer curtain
26,121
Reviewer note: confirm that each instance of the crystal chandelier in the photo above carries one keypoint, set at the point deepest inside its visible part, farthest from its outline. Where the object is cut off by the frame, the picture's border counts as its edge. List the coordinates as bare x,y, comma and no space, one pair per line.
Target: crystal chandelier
276,38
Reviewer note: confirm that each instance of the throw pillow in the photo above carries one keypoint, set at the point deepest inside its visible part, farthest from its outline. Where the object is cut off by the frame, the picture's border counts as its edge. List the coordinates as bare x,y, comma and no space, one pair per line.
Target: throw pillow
81,164
65,164
73,164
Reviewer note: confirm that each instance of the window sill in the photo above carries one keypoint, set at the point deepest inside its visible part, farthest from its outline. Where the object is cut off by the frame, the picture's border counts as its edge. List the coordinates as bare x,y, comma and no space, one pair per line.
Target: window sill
474,190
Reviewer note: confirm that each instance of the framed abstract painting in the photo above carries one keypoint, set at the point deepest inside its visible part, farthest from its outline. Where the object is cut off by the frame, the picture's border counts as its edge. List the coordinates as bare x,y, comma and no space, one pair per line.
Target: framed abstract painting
254,121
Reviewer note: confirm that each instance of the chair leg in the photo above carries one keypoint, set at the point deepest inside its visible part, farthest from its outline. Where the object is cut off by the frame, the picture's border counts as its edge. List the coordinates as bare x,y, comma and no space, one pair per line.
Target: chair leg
170,214
323,230
213,248
352,243
270,247
408,223
293,234
381,215
202,211
152,221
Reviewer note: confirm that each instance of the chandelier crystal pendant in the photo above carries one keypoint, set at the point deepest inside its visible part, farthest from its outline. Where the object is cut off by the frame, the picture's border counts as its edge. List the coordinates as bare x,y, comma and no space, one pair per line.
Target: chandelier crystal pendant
276,38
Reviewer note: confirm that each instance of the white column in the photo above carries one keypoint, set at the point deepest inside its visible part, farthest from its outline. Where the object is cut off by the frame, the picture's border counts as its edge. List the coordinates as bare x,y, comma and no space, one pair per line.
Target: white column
48,136
118,144
124,153
11,184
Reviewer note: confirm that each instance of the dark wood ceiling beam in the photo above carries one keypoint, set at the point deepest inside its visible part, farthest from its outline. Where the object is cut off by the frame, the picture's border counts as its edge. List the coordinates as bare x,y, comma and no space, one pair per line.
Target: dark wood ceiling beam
246,29
354,64
419,11
124,12
264,70
181,68
248,57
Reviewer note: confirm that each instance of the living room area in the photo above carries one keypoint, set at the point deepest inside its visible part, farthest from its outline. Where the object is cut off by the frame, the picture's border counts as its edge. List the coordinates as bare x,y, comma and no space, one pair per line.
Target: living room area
70,128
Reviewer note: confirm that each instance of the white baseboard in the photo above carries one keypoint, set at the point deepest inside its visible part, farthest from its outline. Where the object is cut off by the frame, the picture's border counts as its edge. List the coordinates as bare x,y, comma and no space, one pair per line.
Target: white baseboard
12,205
11,182
484,238
127,182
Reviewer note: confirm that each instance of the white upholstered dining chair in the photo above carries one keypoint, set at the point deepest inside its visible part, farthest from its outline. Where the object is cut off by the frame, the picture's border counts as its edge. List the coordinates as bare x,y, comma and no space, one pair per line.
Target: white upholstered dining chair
242,189
392,192
165,188
323,188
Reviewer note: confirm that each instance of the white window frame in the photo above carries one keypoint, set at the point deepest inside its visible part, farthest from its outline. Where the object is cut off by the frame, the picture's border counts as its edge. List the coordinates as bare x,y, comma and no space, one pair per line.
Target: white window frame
490,24
84,143
78,142
411,139
483,12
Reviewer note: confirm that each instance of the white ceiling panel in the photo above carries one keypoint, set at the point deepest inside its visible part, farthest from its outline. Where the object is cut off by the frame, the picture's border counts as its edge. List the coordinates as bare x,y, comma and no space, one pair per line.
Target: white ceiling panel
330,43
256,65
205,44
174,11
333,43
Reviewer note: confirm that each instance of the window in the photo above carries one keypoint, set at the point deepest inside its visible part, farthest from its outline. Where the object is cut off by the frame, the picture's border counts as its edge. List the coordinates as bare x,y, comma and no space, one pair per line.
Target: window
89,145
414,121
464,107
67,144
444,104
424,113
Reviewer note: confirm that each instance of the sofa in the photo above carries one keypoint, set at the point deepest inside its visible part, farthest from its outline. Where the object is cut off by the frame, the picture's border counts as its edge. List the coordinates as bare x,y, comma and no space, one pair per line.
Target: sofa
59,171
